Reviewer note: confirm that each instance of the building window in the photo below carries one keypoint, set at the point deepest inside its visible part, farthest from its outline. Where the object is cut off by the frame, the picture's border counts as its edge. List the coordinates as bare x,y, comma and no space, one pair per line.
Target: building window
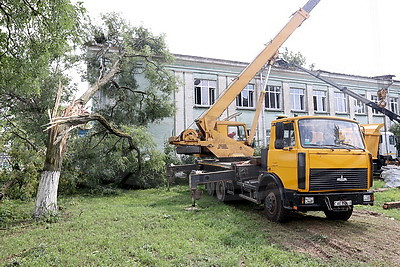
246,97
273,97
359,107
374,99
204,91
340,103
297,99
393,106
319,100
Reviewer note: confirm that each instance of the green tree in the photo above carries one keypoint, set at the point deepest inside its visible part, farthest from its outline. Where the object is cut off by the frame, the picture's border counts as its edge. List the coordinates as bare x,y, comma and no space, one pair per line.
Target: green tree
293,57
119,55
38,44
36,40
36,47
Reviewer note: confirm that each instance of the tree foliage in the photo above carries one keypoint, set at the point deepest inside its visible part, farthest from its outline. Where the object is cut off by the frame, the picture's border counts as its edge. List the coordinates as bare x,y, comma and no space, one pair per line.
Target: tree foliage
137,94
99,159
294,57
141,91
38,44
37,40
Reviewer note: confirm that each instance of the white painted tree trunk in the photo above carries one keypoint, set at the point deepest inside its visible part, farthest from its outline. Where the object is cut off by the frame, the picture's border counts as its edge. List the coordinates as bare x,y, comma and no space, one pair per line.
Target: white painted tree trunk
46,199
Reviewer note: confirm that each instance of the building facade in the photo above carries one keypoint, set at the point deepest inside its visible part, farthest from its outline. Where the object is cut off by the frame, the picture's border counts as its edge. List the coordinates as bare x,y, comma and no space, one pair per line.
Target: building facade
289,92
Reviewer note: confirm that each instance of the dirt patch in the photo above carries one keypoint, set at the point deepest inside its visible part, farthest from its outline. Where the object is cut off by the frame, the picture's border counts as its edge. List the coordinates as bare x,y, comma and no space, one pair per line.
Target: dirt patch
368,237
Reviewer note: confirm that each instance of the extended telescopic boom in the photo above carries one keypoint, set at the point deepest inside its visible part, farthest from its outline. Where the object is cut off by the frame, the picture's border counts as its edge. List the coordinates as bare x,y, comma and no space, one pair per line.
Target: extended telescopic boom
207,121
211,137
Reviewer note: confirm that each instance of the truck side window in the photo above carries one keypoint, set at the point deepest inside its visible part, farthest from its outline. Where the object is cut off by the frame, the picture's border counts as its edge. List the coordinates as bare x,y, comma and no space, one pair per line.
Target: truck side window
391,140
288,135
284,135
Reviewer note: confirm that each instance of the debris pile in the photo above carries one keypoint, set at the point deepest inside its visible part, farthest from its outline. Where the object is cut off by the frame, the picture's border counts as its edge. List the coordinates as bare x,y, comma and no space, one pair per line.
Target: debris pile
391,175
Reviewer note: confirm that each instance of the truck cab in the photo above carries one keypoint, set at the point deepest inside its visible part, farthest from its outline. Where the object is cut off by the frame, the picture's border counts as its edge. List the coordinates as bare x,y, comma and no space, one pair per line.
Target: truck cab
316,163
387,145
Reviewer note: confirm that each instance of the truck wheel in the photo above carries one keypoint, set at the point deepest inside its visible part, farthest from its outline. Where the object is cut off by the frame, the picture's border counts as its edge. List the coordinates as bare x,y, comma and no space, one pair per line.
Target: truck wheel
220,191
273,204
210,189
339,215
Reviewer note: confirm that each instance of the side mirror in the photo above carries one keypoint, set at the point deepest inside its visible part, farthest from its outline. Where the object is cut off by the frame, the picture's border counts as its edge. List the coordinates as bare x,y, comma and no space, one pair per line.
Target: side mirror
279,135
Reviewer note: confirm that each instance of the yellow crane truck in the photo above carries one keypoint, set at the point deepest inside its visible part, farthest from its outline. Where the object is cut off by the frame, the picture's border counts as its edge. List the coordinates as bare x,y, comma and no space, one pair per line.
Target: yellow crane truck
372,135
312,163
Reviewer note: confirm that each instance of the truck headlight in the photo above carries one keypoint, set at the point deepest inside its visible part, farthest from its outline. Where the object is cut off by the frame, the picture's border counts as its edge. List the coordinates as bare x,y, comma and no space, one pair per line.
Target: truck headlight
367,198
308,200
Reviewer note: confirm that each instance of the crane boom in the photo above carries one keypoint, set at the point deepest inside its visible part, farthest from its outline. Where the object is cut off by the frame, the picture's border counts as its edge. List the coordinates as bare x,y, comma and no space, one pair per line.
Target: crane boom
212,137
207,121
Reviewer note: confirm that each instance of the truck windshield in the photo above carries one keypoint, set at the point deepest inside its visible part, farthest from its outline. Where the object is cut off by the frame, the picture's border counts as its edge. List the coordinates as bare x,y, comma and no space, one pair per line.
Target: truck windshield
330,133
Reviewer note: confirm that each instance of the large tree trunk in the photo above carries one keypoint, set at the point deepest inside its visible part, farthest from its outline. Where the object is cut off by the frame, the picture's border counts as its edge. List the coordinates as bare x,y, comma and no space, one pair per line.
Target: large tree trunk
46,199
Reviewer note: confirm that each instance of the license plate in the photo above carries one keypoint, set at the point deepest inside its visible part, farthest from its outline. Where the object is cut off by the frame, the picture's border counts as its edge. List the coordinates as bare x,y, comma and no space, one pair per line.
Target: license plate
341,203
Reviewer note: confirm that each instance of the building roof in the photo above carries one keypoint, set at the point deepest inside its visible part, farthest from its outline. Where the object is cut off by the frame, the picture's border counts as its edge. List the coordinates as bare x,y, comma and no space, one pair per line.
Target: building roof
387,77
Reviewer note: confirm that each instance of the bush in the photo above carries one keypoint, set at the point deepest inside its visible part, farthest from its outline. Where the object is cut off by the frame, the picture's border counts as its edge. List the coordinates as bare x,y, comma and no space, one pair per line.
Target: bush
22,179
98,160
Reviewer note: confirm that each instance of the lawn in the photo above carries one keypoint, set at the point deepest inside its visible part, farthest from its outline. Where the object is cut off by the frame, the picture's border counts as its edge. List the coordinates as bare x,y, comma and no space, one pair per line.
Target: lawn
153,228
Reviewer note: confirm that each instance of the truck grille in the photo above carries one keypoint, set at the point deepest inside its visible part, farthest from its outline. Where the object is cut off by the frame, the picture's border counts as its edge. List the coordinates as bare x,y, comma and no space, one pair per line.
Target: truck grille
338,179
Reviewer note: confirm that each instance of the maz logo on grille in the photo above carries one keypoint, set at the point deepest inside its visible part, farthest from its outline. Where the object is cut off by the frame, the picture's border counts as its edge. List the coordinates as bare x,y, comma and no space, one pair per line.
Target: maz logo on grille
341,179
334,179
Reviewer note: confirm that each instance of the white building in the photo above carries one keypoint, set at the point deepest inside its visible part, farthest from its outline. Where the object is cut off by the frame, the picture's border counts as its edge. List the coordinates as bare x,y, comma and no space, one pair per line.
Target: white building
289,92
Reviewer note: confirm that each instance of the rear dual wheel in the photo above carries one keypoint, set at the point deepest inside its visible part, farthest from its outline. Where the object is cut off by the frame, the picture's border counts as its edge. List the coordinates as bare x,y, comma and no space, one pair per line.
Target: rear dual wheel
210,189
220,191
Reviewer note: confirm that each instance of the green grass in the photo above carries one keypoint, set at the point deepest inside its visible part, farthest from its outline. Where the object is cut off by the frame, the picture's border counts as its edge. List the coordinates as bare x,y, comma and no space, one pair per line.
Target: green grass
144,228
151,228
392,194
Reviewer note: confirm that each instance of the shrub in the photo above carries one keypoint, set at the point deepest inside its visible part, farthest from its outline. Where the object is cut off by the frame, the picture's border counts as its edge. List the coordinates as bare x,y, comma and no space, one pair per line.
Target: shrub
21,180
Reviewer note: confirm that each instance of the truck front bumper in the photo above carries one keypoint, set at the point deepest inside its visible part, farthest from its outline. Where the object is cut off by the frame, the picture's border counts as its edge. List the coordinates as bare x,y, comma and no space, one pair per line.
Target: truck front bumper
331,201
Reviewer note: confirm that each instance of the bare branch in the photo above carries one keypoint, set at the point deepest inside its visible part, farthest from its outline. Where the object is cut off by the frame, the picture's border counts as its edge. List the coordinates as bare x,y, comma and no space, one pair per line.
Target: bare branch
128,88
58,98
101,140
113,147
26,140
98,84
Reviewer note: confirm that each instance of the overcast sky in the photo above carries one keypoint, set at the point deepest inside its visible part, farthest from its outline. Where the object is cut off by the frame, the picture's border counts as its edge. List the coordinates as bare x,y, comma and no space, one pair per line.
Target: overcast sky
359,37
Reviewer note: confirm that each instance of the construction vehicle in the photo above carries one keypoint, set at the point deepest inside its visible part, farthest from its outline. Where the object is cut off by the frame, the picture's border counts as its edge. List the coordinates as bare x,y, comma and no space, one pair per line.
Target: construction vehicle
313,163
382,145
211,138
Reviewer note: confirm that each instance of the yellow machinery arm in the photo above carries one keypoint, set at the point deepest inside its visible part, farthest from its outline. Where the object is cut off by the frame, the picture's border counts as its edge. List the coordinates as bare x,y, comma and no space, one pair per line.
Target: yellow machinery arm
207,121
212,135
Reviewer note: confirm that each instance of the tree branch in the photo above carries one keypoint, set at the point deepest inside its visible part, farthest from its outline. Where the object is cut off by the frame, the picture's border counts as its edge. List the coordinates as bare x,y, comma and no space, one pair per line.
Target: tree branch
74,121
26,139
101,139
98,84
